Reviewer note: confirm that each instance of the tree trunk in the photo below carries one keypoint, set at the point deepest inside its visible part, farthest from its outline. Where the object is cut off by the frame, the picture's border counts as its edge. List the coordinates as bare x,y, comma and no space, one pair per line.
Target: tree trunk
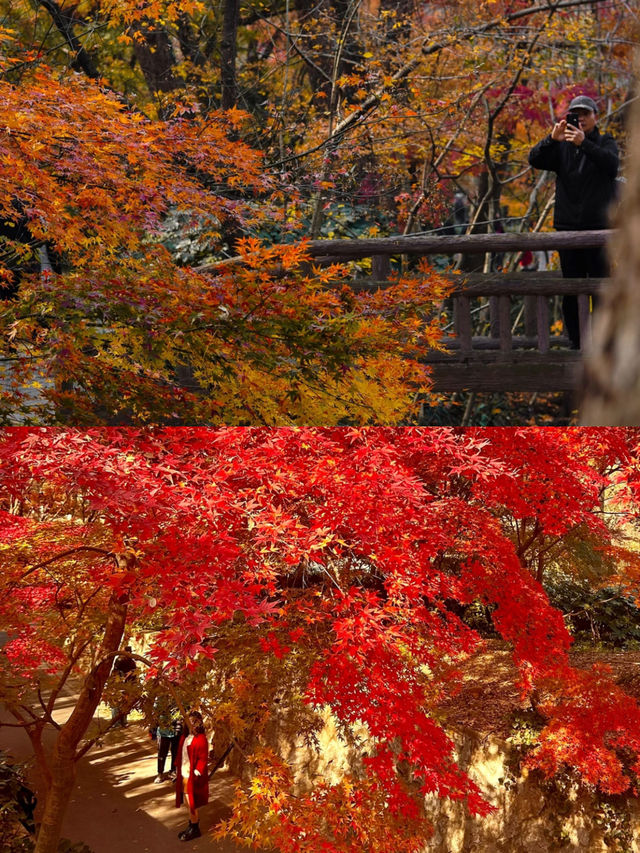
611,382
228,52
63,759
64,774
155,57
65,21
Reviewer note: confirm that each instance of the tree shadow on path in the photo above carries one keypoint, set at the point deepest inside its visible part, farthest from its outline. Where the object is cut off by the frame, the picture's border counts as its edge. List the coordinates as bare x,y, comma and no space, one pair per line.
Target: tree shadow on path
115,806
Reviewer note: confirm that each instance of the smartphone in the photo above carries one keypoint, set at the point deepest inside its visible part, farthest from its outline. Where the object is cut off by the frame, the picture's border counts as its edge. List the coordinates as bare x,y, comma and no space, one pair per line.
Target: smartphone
573,118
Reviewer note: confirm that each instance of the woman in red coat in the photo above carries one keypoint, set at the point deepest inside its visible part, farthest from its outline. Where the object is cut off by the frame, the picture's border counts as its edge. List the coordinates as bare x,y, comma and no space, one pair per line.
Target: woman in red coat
192,780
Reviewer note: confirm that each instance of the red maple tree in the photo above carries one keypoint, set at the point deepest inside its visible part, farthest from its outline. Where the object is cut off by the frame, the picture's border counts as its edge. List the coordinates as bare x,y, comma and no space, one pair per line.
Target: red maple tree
311,569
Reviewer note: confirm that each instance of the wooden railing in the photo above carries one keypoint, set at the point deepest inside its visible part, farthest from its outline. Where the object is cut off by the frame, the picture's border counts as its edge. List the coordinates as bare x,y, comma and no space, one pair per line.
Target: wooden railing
500,360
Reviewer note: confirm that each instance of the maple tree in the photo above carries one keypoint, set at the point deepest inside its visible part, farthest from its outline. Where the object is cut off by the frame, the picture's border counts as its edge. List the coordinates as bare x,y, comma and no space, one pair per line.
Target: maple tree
121,330
144,138
291,573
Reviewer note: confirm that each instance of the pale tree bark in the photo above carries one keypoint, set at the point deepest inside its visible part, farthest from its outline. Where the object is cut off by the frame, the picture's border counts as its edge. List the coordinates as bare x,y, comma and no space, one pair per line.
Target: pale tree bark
611,379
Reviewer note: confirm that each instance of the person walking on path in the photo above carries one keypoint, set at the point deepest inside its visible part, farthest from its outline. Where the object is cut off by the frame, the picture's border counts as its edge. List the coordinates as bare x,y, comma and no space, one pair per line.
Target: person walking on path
192,780
586,165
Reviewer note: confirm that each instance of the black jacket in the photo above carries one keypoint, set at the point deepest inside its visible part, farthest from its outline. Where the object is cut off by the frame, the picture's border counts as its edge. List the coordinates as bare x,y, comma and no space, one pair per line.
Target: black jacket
585,179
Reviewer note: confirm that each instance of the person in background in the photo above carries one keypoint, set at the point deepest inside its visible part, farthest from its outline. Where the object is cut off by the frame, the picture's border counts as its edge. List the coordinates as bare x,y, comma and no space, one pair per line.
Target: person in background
586,165
124,669
192,779
167,731
527,262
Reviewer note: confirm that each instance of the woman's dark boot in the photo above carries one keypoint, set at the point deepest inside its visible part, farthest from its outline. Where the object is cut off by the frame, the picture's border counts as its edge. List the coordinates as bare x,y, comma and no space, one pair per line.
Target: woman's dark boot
192,832
181,835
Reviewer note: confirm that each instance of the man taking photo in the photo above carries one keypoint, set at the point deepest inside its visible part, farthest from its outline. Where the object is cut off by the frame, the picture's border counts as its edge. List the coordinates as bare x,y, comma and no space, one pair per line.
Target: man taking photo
586,165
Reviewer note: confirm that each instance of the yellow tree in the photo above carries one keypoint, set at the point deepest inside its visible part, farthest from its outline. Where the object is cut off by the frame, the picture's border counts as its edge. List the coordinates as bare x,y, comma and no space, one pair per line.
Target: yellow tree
122,329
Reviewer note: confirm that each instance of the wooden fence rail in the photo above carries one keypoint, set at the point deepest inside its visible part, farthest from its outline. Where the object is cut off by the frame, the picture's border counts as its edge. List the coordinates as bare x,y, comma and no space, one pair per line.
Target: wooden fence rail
500,360
452,244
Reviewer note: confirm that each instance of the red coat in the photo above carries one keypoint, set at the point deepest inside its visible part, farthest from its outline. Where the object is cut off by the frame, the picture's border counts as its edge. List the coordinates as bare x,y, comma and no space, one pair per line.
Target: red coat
197,786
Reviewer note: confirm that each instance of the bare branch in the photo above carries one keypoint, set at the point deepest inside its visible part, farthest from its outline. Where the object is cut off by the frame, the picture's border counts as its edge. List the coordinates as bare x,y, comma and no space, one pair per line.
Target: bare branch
64,21
64,554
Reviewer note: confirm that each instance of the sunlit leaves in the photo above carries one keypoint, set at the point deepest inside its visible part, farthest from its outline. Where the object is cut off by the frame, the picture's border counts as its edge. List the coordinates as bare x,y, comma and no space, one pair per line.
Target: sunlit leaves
300,581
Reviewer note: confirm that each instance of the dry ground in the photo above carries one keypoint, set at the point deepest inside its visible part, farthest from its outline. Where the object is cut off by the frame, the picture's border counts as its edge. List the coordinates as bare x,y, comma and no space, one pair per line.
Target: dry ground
489,698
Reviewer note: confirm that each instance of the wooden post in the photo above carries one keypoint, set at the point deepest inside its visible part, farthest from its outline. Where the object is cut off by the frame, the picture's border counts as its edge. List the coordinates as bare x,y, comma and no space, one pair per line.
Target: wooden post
530,303
494,320
380,267
504,316
542,320
462,320
413,244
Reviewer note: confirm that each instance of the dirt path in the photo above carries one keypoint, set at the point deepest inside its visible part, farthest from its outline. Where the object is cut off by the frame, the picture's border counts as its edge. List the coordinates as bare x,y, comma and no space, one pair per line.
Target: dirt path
116,808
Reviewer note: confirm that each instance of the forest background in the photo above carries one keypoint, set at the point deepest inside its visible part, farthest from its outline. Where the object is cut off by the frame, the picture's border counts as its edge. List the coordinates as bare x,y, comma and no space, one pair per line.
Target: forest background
146,142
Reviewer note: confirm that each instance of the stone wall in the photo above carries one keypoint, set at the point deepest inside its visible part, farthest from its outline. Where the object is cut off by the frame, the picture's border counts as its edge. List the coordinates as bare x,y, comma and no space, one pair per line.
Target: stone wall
532,815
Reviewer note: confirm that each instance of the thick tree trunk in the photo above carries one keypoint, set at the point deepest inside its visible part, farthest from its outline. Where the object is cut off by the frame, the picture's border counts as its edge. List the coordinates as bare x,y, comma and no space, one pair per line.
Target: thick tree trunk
155,56
62,765
611,383
64,774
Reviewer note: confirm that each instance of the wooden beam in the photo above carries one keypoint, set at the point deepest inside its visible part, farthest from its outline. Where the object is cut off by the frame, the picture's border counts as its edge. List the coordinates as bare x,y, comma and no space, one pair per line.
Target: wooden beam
512,284
479,342
331,251
452,244
559,373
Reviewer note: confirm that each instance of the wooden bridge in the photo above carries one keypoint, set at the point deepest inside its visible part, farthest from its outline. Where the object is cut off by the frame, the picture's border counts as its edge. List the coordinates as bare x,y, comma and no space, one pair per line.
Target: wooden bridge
518,350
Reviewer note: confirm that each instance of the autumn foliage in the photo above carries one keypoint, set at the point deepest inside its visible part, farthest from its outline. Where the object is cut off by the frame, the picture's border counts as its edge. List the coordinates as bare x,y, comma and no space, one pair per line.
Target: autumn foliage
144,141
287,573
122,331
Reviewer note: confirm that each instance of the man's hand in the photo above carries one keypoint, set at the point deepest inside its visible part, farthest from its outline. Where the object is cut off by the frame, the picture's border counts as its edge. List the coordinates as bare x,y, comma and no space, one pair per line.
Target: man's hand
574,135
558,132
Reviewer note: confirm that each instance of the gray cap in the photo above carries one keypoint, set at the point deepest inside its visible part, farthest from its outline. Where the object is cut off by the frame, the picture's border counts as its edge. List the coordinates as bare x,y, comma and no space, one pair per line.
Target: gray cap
583,102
